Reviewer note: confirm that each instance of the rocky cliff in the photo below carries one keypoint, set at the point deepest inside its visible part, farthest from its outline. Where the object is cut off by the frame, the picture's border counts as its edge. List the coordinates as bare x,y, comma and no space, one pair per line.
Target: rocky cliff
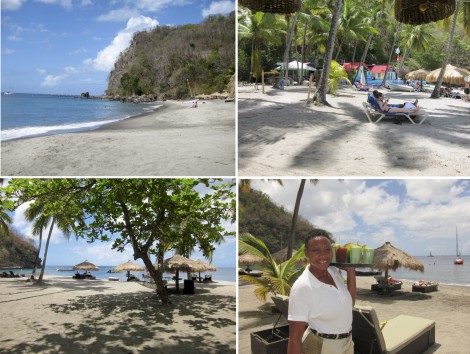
177,62
16,251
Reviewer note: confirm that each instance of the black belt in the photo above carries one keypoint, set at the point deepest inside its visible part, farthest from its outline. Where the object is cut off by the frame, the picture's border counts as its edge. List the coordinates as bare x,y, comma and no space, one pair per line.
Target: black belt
331,336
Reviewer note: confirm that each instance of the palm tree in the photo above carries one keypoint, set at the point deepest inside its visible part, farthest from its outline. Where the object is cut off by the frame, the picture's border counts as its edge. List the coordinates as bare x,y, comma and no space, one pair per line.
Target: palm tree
416,38
320,94
337,74
277,278
4,217
259,27
436,92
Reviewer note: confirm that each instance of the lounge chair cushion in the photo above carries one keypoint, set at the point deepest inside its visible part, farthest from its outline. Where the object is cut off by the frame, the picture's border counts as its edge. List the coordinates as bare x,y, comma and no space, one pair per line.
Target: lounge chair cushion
401,335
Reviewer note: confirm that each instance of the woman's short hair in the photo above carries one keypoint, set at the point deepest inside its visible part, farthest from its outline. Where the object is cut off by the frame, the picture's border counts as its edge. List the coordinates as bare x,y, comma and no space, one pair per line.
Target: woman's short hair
317,233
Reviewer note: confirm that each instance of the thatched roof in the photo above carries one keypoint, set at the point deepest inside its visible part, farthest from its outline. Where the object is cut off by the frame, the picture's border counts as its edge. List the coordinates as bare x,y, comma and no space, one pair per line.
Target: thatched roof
452,75
417,12
389,257
248,259
178,262
417,75
201,266
85,266
273,6
128,266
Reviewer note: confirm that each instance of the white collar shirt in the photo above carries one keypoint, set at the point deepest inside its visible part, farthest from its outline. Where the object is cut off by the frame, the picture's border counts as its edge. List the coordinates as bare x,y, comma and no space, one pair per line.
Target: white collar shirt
325,308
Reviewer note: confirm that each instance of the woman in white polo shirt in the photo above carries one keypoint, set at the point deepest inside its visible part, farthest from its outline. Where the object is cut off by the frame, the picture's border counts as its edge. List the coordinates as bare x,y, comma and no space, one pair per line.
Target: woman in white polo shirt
320,299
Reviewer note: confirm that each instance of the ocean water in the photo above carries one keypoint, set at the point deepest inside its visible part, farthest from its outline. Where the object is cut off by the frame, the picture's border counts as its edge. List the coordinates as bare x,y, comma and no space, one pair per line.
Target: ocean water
27,115
222,274
439,268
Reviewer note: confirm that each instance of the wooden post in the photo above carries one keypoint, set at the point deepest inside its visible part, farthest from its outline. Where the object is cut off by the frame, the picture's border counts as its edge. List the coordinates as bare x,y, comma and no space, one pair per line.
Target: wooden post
262,81
310,87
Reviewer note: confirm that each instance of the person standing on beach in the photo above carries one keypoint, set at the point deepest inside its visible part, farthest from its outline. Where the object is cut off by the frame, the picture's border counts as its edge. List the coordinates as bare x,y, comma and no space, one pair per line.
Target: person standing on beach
320,299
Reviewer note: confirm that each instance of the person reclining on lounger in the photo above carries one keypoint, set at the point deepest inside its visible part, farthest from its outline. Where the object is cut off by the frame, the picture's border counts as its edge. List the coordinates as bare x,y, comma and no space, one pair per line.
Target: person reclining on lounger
406,107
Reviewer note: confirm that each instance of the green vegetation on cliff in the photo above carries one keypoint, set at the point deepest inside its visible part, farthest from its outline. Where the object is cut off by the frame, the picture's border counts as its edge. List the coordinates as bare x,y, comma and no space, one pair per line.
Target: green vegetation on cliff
177,62
17,250
269,222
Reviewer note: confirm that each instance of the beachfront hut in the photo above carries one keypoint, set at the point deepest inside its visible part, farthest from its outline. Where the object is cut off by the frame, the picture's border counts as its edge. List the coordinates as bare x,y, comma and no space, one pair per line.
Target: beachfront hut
389,257
452,75
361,71
378,72
296,66
129,266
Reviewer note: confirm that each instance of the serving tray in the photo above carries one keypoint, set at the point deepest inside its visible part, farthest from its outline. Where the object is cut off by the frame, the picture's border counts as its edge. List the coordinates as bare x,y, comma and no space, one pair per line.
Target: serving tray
356,265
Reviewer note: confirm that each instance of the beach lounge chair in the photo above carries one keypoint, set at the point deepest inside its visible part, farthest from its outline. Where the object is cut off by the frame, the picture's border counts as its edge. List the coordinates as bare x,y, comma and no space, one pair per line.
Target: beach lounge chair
401,335
371,107
361,87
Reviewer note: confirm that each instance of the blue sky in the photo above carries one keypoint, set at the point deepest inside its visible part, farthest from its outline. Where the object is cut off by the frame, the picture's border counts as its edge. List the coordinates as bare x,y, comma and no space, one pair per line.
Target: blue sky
70,46
415,215
72,251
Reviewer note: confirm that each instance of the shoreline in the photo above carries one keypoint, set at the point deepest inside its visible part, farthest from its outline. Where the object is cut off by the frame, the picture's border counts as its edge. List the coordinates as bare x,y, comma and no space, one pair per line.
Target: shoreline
448,307
172,140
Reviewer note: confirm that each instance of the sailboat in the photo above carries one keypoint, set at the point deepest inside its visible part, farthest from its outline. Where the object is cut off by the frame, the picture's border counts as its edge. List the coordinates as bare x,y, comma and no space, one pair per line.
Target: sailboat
458,260
430,254
9,92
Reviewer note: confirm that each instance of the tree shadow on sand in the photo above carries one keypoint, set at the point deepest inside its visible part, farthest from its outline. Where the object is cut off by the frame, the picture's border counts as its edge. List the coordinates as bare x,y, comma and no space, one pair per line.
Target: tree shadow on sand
136,323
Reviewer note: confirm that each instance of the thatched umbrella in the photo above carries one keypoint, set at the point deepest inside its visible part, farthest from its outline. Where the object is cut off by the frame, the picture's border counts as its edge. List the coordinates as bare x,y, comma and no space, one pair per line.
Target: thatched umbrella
201,266
85,266
419,74
129,266
178,263
418,12
452,75
273,6
248,260
388,257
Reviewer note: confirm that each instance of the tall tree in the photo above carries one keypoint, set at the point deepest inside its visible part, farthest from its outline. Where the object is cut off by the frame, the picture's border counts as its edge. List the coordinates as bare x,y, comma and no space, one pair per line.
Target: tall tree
5,205
437,88
320,94
145,213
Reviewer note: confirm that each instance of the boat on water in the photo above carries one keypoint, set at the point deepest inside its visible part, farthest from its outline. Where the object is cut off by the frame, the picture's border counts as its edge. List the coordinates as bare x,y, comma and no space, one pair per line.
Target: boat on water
458,260
430,254
8,93
400,87
64,270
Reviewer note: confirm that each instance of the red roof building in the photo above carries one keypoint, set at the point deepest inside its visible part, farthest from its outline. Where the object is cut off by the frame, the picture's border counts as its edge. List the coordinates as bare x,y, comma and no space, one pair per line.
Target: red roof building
378,72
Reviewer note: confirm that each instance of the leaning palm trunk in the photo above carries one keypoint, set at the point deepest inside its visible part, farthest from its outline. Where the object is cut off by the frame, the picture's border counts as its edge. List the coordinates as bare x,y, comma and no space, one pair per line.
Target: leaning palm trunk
36,261
391,53
320,94
436,92
41,275
288,43
290,242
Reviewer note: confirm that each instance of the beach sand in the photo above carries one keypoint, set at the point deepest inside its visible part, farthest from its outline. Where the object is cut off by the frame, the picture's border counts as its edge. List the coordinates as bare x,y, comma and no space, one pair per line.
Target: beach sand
175,140
449,308
98,316
280,135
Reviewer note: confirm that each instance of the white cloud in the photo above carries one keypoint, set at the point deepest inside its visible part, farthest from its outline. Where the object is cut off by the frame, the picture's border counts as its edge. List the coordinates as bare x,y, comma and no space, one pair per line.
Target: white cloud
78,51
66,4
14,38
12,5
155,6
7,51
40,71
51,80
106,58
219,7
118,15
103,254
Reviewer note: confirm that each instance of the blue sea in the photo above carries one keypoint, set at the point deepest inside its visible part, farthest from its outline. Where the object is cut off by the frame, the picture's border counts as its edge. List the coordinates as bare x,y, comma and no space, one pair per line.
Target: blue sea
439,268
222,274
28,115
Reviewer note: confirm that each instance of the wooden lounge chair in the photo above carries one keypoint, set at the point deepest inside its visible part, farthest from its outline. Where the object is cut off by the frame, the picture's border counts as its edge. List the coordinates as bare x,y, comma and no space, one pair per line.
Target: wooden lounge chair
401,335
371,107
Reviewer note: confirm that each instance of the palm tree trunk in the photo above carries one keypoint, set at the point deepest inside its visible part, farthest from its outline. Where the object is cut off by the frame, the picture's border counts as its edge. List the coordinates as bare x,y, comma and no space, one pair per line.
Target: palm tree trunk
436,92
391,53
288,43
303,53
290,244
41,275
320,94
37,255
